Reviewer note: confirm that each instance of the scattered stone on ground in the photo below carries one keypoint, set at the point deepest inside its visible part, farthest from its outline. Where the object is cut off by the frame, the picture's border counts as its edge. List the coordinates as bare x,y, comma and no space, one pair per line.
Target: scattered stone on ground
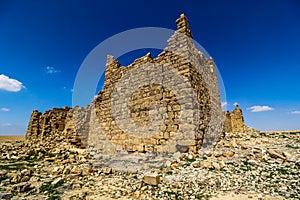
241,166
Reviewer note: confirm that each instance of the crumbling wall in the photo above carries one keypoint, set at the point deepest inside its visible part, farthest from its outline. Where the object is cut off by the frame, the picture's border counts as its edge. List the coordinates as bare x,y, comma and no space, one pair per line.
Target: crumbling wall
98,126
52,127
185,60
234,121
227,123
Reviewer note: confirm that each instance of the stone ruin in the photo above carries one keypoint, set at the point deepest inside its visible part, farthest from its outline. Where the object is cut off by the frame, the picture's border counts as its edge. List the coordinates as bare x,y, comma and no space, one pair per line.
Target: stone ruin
197,119
234,121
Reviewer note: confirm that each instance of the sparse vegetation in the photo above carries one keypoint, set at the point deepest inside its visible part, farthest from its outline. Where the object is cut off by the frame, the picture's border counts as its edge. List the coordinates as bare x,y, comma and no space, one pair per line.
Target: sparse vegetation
263,134
50,188
172,194
3,177
169,173
191,160
54,197
14,166
292,146
202,196
282,170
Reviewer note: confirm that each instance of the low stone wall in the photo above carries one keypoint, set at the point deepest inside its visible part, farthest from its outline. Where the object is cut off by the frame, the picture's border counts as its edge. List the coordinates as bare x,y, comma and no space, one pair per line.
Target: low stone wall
234,121
54,126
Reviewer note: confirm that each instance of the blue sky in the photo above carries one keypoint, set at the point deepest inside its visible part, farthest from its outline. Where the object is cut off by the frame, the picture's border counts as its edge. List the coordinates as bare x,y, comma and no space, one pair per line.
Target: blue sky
255,44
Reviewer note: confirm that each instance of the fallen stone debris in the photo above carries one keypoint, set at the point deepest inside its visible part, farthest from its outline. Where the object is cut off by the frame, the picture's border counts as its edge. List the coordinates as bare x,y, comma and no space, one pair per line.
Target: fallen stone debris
249,165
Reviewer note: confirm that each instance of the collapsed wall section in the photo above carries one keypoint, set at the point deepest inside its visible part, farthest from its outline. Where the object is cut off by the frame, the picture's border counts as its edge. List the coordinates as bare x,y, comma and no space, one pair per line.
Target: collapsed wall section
53,127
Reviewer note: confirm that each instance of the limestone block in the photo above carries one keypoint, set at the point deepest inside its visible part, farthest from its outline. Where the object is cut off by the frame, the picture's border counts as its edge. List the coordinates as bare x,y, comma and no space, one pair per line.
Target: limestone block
151,179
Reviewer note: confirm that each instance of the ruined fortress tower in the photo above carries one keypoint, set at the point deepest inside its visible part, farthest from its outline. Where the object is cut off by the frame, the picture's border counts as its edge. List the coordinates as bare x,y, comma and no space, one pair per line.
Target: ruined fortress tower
234,121
179,88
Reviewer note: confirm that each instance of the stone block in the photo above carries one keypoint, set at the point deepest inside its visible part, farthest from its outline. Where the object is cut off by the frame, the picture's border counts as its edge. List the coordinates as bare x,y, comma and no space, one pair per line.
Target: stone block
151,179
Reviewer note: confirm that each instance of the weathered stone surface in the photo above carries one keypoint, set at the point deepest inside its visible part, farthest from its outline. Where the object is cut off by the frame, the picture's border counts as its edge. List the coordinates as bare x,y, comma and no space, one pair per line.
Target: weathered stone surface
184,60
275,154
107,170
206,164
228,154
234,121
151,179
59,180
53,127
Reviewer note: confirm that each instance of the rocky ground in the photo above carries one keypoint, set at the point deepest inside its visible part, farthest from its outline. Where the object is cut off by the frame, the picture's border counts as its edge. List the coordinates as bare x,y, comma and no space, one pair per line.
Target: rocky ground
241,166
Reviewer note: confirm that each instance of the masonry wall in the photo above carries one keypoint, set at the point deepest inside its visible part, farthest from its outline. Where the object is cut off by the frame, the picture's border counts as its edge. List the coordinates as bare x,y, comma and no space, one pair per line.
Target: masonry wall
234,121
99,125
52,127
182,57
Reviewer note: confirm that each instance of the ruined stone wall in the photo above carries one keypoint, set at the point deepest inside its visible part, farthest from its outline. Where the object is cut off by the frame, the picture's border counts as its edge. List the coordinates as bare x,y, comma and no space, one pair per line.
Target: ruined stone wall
158,87
227,124
53,127
185,60
237,120
234,121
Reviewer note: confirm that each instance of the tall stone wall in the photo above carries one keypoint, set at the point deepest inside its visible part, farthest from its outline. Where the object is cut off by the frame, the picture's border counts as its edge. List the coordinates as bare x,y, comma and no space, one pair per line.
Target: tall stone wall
181,57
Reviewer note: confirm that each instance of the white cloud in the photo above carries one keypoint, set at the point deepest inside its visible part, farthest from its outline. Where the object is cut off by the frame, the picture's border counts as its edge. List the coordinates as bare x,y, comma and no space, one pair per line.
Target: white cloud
236,104
224,104
52,70
6,124
260,108
296,112
5,109
9,84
